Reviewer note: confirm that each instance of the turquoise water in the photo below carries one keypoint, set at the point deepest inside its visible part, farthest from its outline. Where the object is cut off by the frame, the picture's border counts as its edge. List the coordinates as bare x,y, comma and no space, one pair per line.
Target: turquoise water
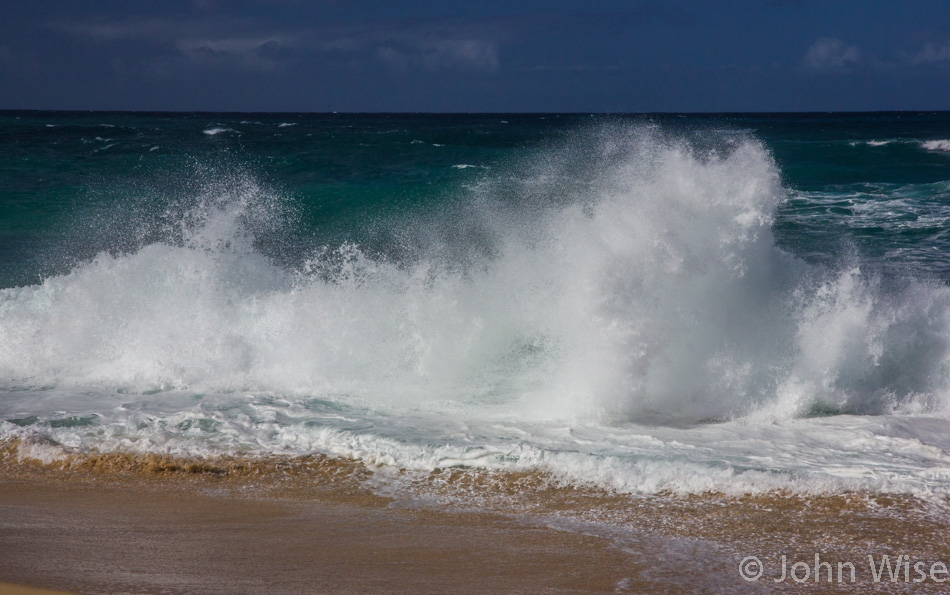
643,302
859,182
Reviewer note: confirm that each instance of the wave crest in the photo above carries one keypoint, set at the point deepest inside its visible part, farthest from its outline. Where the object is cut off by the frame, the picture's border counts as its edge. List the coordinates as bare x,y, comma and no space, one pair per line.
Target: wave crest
635,278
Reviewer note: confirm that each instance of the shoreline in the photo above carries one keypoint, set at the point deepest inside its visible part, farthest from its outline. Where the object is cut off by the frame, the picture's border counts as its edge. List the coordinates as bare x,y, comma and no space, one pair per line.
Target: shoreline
122,534
106,523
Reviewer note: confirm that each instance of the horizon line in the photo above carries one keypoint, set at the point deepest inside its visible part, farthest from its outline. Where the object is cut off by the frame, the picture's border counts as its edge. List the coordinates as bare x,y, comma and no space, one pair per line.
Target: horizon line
475,113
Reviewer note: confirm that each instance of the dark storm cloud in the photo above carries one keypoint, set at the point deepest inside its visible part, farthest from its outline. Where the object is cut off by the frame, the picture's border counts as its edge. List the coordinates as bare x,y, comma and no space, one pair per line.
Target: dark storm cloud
214,43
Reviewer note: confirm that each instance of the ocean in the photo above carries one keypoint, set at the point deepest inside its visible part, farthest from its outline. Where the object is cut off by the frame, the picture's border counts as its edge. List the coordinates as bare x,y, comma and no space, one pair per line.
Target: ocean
626,304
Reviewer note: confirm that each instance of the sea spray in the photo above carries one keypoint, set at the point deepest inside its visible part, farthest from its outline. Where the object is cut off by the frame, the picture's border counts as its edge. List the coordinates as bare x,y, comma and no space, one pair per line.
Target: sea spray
666,265
632,285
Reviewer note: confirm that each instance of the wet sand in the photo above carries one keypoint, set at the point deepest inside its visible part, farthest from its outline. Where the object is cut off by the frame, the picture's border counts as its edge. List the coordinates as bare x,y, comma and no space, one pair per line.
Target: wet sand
11,589
110,538
151,524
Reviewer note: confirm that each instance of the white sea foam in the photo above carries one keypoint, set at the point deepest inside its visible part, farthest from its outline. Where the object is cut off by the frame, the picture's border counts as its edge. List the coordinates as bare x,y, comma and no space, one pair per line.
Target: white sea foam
936,145
286,124
653,295
217,130
43,451
871,143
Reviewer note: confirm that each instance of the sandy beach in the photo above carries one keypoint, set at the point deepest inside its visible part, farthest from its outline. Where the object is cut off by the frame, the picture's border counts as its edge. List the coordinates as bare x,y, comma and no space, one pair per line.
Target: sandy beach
115,536
124,524
10,589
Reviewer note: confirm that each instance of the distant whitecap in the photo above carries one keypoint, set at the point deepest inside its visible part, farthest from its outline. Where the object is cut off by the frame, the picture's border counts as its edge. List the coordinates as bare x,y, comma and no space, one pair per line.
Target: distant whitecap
936,145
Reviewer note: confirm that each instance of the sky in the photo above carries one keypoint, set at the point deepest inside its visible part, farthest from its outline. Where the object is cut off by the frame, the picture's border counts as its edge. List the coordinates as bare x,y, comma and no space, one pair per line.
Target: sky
476,56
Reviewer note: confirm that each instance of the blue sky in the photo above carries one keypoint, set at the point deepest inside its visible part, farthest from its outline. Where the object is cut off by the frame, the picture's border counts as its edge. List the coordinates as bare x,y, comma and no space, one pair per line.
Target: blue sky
426,55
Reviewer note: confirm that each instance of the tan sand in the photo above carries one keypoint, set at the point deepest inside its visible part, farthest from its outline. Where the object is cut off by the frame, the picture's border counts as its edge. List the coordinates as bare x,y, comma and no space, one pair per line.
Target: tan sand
110,538
153,524
8,589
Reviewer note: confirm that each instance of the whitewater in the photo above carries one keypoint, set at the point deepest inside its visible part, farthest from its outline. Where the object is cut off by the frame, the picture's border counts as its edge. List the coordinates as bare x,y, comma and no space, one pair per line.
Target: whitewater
614,311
